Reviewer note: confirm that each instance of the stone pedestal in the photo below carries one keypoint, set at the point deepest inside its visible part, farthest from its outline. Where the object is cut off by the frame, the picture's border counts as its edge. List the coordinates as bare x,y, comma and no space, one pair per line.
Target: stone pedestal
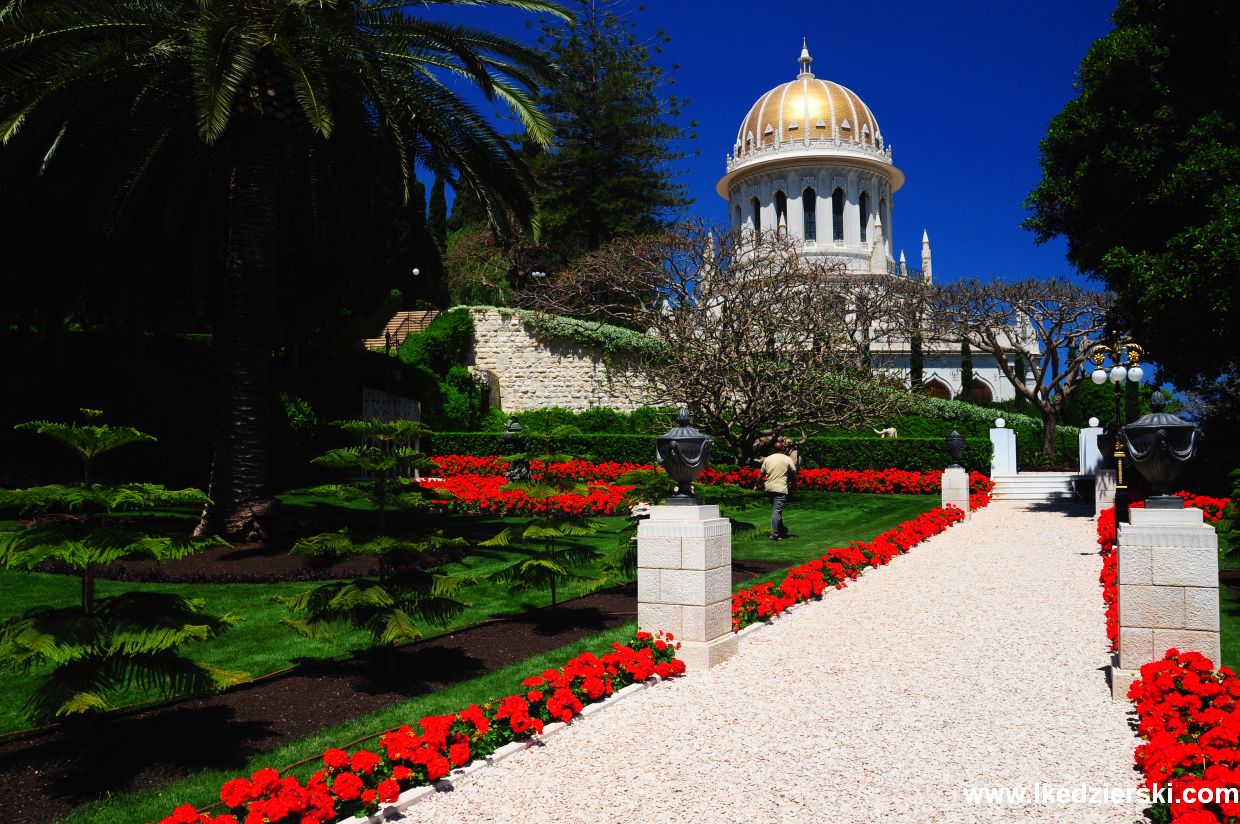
1088,453
956,489
684,581
1004,460
1104,490
1168,590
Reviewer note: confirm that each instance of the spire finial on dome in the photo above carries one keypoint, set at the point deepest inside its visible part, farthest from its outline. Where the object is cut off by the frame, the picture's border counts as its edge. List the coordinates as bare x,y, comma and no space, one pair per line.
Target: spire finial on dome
805,60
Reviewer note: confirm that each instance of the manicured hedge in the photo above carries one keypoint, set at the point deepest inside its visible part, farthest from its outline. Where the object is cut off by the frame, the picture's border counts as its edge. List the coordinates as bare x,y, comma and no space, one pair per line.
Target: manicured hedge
920,454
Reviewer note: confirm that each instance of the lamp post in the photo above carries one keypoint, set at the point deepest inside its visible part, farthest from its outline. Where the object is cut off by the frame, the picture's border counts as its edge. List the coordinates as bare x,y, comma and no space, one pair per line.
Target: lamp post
1125,366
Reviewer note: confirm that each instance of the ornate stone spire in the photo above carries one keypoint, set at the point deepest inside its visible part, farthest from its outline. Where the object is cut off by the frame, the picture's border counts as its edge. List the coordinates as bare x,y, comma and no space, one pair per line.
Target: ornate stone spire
926,272
805,60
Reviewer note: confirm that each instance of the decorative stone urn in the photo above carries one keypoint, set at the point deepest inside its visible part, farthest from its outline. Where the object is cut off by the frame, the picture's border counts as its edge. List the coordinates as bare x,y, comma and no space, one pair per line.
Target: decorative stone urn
1160,444
683,453
516,442
955,447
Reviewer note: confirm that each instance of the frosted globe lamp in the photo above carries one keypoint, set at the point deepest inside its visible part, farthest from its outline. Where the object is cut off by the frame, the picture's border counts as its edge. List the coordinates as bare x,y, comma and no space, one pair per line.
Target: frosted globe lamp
1135,374
1118,373
1099,376
1093,422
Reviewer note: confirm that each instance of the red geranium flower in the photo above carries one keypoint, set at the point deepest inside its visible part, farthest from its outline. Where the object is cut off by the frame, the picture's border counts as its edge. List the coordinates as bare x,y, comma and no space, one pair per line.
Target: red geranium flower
347,786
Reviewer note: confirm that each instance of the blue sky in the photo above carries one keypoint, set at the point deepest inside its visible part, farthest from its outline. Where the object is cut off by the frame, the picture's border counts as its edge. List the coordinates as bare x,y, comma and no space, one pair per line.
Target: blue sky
963,92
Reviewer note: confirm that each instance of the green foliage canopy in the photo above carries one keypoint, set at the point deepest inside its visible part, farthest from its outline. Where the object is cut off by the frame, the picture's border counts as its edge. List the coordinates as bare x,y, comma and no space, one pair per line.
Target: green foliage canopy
1141,175
609,172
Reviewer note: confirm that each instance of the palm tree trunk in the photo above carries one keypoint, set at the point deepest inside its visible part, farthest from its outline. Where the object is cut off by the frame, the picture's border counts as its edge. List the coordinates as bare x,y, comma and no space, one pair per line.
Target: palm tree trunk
240,490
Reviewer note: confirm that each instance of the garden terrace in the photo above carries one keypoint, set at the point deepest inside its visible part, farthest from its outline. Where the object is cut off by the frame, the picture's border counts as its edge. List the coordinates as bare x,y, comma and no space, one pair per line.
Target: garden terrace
307,685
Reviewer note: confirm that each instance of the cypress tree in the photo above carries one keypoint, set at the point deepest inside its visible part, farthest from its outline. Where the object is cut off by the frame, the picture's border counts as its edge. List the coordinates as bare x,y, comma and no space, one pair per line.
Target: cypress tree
1022,370
916,364
437,214
966,372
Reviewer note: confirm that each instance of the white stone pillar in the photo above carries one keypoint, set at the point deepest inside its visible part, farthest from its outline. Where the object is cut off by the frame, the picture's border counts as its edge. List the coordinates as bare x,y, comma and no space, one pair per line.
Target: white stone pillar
1090,456
684,581
1104,490
1004,440
956,489
1168,590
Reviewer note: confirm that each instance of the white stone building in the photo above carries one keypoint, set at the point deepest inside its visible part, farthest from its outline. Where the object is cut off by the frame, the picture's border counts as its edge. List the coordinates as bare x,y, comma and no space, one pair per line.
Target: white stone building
811,161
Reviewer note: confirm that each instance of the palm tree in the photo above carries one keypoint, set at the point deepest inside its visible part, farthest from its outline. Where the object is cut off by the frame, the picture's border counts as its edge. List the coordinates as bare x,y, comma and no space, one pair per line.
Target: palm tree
256,94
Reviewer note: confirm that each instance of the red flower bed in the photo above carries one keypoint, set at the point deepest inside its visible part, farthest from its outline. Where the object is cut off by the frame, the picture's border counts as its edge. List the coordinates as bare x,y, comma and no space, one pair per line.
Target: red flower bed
485,493
415,755
881,481
1190,720
1109,576
575,470
835,568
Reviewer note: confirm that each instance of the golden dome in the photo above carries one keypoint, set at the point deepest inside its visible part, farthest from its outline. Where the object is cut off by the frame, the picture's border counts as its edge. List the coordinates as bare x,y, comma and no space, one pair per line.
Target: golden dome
806,111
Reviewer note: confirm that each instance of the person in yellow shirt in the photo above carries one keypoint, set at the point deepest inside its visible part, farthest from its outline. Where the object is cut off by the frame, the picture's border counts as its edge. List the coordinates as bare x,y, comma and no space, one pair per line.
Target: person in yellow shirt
778,472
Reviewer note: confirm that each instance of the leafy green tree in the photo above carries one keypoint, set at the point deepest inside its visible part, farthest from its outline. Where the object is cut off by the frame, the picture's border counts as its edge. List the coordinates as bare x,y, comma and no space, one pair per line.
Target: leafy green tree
610,171
407,590
89,653
248,90
1141,176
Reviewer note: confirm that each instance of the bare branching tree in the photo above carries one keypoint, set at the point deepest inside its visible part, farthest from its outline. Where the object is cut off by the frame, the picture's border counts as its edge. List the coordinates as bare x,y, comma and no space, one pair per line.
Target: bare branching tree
755,340
1052,322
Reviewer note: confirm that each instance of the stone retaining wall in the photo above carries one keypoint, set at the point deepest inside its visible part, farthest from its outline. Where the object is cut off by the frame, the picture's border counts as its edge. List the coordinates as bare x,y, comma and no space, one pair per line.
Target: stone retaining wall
527,373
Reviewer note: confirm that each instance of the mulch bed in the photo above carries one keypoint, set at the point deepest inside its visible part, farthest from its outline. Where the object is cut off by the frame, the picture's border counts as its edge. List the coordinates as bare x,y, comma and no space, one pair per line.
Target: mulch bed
45,776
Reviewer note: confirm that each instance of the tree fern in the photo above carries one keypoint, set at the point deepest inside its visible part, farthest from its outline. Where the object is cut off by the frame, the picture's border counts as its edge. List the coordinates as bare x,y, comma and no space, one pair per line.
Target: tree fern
99,647
549,557
406,591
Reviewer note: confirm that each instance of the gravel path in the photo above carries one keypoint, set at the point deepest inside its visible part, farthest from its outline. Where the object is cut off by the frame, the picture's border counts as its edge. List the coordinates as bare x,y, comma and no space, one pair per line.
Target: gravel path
975,660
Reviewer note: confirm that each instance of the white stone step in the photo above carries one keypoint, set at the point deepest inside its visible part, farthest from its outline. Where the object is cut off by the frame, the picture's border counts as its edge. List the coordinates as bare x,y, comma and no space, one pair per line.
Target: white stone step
1034,486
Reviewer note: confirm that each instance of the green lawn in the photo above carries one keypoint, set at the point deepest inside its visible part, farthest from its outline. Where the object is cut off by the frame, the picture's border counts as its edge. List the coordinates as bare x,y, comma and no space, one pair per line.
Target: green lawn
261,645
817,522
1229,627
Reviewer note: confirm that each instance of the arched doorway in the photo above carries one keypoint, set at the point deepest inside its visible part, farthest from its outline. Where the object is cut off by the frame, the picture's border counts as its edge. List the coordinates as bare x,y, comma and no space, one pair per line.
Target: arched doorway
935,388
982,395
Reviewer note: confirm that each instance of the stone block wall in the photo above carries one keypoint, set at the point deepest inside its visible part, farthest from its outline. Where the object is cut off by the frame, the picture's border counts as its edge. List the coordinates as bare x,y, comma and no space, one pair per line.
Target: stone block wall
527,373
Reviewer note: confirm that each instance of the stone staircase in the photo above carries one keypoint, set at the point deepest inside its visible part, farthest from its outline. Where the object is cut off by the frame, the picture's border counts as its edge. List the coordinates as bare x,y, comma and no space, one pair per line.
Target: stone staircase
401,326
1036,486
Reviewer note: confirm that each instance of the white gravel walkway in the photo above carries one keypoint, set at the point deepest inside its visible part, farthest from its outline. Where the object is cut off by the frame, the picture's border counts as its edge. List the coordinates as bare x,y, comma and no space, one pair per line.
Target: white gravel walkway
976,660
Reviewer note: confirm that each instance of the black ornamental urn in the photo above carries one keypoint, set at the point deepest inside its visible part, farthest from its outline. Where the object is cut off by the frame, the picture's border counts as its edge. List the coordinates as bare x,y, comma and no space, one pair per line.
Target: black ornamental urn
955,448
1160,444
516,443
683,453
